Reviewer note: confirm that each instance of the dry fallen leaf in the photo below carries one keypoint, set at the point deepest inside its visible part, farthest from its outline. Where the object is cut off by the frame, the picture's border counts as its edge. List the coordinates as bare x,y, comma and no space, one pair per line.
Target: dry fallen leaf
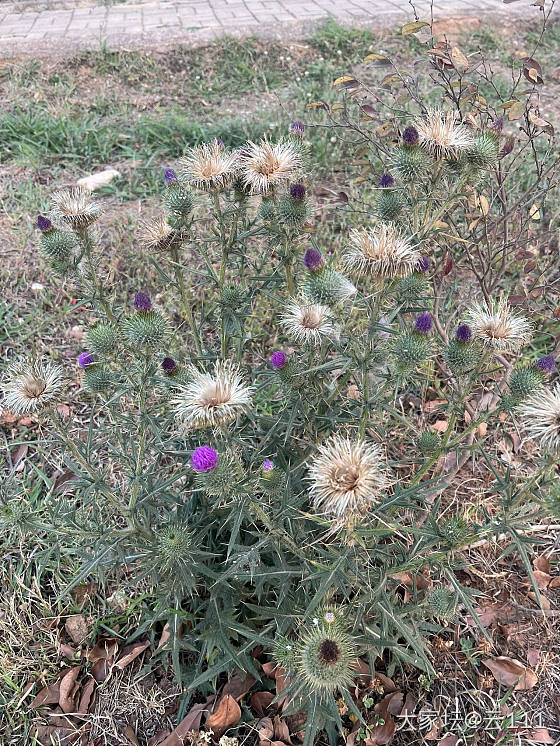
238,687
66,698
226,714
260,702
49,695
511,673
77,628
130,652
190,722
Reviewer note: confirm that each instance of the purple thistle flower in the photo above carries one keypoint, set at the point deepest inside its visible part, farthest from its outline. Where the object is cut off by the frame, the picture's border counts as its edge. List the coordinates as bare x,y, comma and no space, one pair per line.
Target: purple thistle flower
219,142
386,181
267,465
410,136
464,333
297,128
170,176
547,364
423,264
313,259
497,125
168,365
278,359
297,191
142,302
423,323
85,359
43,223
204,459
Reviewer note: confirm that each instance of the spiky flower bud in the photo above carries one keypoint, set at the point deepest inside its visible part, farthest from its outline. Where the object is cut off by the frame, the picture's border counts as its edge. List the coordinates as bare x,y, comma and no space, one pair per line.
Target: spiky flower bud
297,191
171,557
411,350
389,205
327,286
428,442
285,653
97,379
410,136
484,153
103,339
272,480
169,366
297,129
85,359
57,245
267,211
146,331
221,480
204,459
410,161
313,259
525,380
325,660
443,602
547,364
462,354
424,323
179,201
232,298
293,211
386,181
456,530
464,333
411,288
278,359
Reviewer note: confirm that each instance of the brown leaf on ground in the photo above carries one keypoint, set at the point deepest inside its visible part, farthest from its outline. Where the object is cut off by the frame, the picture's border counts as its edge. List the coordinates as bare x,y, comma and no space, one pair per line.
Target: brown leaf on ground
238,687
281,730
542,563
130,735
269,668
226,714
77,628
383,733
158,738
190,722
491,613
260,702
104,649
54,735
448,740
511,672
387,684
410,580
86,697
409,705
533,656
67,683
394,702
82,592
540,735
542,579
544,602
434,733
49,695
130,652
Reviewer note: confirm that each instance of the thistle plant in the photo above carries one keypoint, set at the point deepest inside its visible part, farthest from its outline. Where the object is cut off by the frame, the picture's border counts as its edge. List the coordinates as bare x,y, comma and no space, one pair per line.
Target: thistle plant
266,457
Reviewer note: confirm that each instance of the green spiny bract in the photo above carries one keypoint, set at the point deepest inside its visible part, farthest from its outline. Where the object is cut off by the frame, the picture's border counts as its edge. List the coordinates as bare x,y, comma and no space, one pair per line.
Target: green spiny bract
224,480
267,211
455,530
390,205
411,288
285,653
325,658
462,357
509,402
443,603
551,499
178,200
292,376
15,516
292,213
484,153
57,248
233,299
103,339
146,331
273,482
327,286
97,379
428,442
525,380
411,350
171,556
411,163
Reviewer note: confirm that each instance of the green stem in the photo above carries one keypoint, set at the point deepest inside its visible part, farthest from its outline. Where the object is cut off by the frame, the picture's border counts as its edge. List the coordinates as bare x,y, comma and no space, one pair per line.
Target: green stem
185,302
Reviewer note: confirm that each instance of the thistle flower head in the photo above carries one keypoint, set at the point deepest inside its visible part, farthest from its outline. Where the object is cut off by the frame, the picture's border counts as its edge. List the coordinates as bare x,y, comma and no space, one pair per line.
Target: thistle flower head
498,124
410,136
204,458
309,323
540,416
214,398
43,223
297,128
326,285
103,339
498,327
268,465
219,142
278,359
547,364
313,259
158,235
424,323
464,333
386,181
31,388
209,167
423,264
297,191
440,134
169,176
142,302
381,252
74,207
168,365
347,477
85,359
325,660
266,165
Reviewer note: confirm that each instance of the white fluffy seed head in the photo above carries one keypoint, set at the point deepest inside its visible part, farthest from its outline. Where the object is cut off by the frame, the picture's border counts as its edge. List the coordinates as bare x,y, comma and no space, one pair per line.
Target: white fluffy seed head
210,399
266,166
209,167
309,323
498,327
540,417
347,477
74,208
381,252
441,135
30,388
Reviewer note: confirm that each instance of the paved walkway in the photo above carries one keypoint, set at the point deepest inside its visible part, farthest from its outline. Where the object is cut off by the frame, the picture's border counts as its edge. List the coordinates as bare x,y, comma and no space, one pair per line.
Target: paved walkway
60,26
